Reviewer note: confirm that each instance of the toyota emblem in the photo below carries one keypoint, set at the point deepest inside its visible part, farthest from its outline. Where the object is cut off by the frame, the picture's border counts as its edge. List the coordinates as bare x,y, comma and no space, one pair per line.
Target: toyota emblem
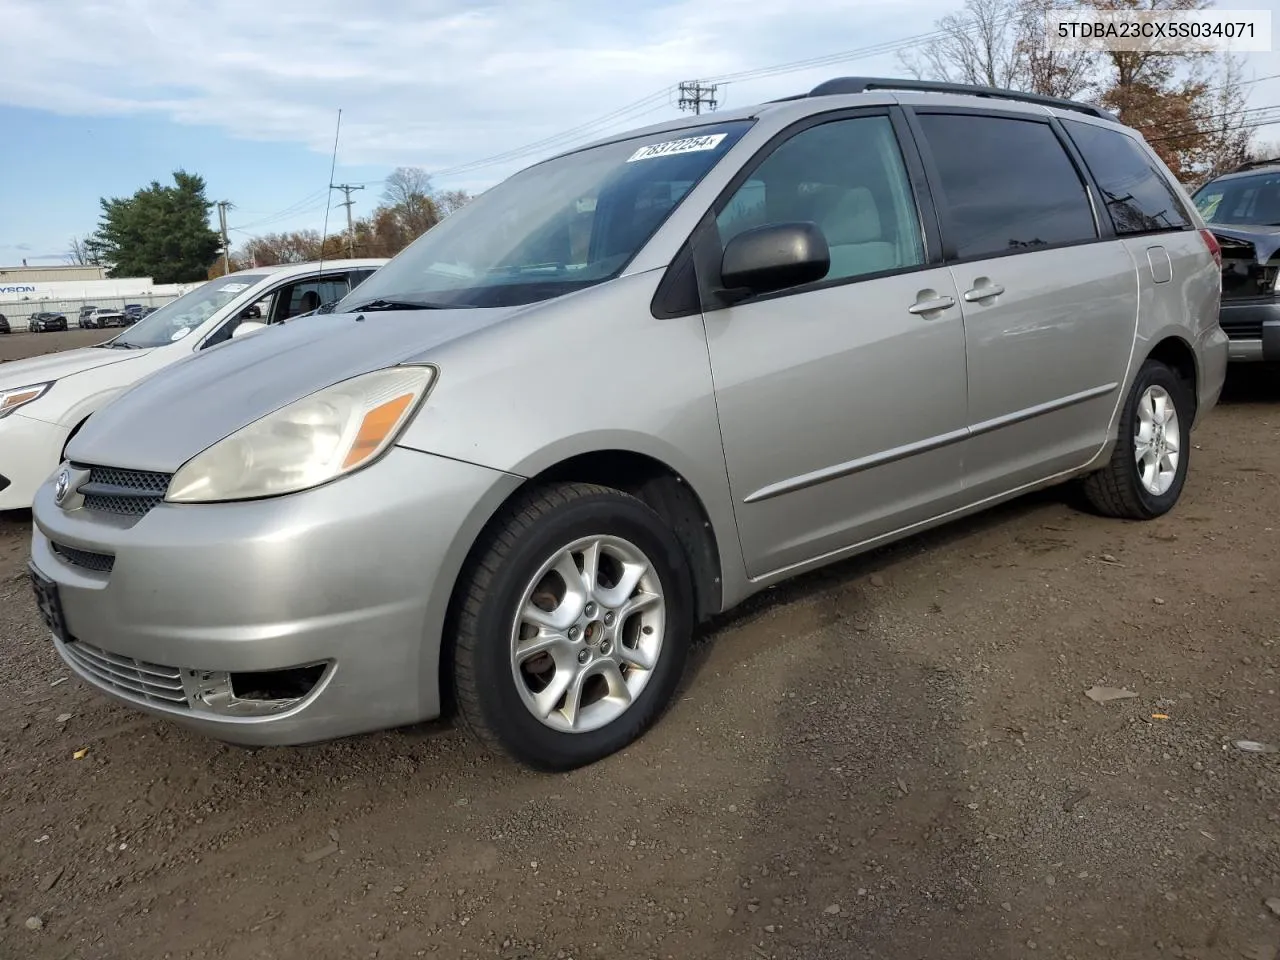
61,485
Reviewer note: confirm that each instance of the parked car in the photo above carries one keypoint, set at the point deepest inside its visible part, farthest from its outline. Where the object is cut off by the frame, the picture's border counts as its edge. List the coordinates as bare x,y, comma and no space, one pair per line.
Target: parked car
101,317
4,324
45,400
622,391
85,310
1242,209
133,312
45,322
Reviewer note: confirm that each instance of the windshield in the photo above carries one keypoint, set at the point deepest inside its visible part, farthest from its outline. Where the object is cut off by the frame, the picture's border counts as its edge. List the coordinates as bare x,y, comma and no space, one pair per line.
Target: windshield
178,318
556,227
1254,200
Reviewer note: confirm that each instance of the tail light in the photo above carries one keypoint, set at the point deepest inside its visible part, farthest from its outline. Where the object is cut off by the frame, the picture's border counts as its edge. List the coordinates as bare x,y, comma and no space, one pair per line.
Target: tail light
1215,248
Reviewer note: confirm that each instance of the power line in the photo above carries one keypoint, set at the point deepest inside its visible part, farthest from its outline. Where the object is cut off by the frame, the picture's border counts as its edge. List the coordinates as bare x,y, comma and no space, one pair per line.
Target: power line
306,205
588,130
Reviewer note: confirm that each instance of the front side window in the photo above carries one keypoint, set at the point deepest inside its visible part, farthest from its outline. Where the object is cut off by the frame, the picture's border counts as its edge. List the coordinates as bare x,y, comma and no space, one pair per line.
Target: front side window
846,176
1138,196
1008,185
1253,200
176,319
554,228
308,295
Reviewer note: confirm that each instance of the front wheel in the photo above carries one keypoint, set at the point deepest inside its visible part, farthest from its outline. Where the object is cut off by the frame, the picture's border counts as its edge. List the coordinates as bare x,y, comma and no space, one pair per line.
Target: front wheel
573,626
1148,468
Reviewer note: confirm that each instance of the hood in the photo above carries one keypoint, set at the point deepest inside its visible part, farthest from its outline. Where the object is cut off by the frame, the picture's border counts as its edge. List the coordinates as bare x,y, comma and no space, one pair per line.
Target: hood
1252,241
169,417
55,366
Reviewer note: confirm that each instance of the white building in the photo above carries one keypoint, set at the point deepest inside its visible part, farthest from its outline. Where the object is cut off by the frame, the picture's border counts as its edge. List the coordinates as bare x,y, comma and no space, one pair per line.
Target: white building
26,290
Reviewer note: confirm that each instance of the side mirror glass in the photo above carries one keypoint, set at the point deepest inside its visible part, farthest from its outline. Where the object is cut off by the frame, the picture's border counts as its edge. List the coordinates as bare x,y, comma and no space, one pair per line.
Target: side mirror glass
247,326
774,257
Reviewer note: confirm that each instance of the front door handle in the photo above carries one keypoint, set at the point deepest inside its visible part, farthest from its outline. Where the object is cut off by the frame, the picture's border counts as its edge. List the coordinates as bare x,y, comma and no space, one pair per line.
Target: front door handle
984,292
931,306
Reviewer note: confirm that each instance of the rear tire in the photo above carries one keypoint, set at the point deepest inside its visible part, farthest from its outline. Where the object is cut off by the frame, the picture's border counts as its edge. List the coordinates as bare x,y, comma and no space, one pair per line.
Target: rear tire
573,622
1148,468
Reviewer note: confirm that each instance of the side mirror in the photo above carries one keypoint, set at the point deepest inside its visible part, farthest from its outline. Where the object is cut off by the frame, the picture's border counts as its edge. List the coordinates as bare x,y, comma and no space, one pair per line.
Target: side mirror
774,257
247,326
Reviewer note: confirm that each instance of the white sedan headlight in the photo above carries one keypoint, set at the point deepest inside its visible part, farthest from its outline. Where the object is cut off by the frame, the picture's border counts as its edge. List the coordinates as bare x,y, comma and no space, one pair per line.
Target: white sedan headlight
309,442
14,397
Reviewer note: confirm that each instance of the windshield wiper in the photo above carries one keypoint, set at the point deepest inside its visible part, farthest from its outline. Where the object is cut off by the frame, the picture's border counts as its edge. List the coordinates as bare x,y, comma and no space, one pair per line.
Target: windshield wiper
121,345
380,304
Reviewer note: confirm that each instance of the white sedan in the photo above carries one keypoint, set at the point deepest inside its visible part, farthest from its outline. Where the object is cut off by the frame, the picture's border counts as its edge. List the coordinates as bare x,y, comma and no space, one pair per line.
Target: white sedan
45,400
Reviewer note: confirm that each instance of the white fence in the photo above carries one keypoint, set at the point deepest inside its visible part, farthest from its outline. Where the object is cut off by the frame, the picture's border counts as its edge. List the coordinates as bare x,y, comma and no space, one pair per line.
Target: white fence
17,312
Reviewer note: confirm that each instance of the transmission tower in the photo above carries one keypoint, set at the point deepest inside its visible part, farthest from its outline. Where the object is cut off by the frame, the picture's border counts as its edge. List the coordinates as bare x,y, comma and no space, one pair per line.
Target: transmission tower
693,95
346,189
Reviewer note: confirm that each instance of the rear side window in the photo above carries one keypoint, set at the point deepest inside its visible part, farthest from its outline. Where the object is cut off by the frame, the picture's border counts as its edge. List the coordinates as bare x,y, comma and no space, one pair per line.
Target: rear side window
1137,194
1008,184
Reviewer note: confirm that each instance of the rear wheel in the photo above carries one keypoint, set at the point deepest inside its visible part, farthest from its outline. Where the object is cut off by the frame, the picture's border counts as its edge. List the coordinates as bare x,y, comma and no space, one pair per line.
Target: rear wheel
573,626
1148,468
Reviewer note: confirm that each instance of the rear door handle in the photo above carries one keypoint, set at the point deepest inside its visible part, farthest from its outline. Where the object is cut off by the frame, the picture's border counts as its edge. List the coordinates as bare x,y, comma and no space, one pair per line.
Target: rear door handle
985,292
930,306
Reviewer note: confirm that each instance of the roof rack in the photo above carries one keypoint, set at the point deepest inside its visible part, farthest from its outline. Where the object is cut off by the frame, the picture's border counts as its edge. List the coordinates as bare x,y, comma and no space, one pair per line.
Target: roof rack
1254,164
844,85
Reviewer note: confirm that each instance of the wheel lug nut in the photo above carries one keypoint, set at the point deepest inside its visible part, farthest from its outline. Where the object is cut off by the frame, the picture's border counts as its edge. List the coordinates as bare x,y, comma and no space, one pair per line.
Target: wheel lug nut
606,647
590,611
574,633
608,619
584,656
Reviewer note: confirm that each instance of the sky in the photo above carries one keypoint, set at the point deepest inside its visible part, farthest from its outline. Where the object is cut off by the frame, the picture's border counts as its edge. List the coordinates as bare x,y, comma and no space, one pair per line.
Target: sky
99,99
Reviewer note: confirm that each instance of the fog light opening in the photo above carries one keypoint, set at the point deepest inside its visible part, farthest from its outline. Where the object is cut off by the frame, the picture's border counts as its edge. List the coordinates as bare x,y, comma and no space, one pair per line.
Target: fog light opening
276,686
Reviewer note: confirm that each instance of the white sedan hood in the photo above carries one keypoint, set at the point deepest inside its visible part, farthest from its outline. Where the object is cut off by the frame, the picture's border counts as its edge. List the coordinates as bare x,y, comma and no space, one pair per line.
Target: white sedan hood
55,366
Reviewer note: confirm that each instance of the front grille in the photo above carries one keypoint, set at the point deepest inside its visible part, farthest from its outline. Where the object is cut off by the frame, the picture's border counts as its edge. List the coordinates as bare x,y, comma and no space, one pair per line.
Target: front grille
1245,328
98,562
130,493
135,678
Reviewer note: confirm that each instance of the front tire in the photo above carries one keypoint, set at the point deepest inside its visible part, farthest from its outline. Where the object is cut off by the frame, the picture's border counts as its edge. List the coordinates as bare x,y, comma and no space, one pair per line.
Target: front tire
573,622
1148,468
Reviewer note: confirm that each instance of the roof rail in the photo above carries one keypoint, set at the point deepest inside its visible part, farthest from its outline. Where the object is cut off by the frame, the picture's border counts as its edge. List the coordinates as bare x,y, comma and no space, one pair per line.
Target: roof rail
1254,164
842,85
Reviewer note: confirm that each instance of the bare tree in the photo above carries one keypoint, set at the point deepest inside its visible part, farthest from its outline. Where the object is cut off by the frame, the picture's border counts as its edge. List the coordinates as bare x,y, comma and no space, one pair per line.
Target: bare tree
1071,74
1227,137
80,254
407,192
1003,43
449,201
978,46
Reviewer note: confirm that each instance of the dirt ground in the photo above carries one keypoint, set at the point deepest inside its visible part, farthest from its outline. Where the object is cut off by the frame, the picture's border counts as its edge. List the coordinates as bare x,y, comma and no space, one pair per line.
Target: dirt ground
894,758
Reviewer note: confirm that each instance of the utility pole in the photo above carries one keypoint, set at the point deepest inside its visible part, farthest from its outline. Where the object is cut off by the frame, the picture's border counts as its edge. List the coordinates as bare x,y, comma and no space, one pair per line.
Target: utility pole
346,189
223,206
693,95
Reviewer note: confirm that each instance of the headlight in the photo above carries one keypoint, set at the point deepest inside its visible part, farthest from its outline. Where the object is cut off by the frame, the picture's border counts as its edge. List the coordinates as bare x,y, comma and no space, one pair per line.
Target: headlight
15,397
309,442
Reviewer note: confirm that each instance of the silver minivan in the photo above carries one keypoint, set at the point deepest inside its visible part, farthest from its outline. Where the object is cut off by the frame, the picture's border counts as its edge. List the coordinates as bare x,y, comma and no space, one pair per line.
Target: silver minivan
618,393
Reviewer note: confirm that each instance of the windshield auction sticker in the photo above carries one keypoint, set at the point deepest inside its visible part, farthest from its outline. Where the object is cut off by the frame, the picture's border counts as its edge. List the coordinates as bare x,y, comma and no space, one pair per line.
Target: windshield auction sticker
687,145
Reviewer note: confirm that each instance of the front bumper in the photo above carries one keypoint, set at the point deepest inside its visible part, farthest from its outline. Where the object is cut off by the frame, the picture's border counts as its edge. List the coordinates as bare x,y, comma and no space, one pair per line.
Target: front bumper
353,577
1253,327
29,454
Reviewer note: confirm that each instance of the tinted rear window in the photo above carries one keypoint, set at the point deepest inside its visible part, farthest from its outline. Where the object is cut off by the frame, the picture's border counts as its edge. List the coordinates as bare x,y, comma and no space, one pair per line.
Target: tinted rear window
1136,193
1009,184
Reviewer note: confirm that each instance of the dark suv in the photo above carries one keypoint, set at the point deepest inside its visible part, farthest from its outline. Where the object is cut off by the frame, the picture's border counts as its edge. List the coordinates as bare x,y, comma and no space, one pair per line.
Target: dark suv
4,324
1242,208
45,322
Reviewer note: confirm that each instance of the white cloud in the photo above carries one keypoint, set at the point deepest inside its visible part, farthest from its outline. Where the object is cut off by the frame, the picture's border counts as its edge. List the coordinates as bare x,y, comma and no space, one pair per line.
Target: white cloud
420,81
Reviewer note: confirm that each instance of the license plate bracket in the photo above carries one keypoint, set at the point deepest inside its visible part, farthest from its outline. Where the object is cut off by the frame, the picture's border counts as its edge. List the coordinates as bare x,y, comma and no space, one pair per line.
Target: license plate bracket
49,603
